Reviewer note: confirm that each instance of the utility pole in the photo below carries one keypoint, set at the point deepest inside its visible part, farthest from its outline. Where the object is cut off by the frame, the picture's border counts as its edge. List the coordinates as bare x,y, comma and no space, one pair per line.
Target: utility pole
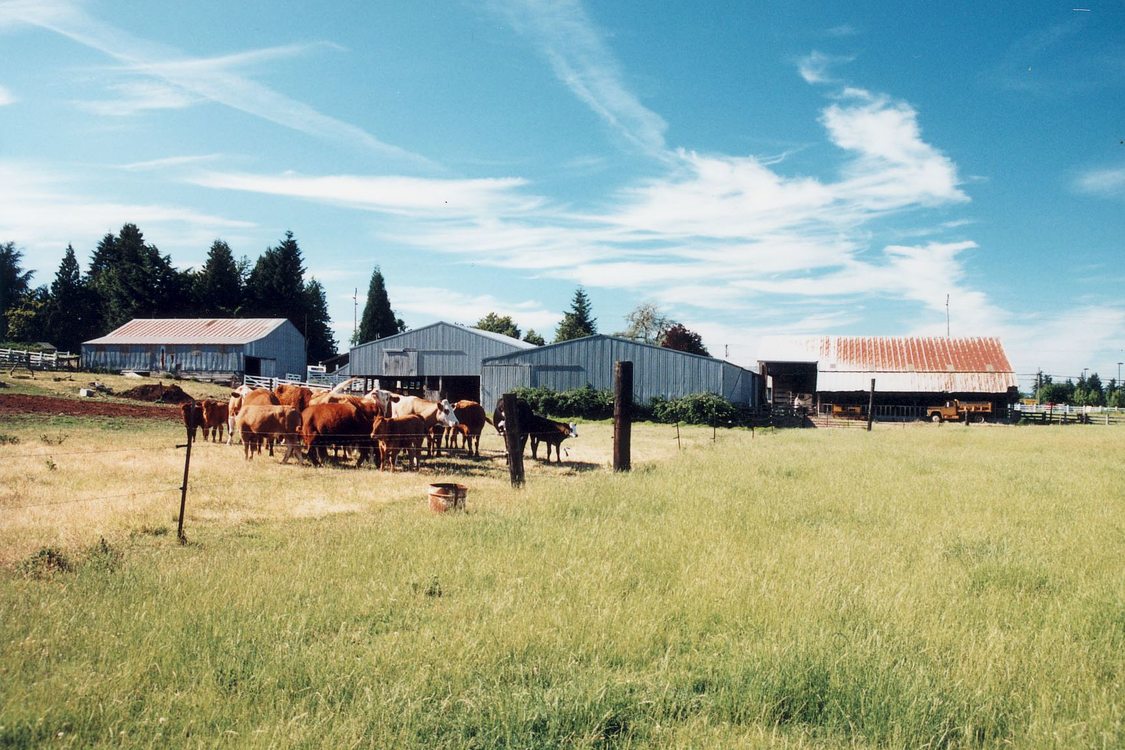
355,313
947,316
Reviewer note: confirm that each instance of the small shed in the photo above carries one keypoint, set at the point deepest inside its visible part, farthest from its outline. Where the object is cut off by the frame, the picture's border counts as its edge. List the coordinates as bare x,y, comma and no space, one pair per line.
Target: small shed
590,361
268,347
910,373
439,360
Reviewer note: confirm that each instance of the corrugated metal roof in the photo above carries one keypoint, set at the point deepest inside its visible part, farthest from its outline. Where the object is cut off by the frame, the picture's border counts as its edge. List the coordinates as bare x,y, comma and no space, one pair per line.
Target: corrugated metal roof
191,331
847,363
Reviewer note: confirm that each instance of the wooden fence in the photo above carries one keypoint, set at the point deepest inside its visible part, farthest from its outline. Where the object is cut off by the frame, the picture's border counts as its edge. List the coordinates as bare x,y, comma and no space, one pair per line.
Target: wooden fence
13,359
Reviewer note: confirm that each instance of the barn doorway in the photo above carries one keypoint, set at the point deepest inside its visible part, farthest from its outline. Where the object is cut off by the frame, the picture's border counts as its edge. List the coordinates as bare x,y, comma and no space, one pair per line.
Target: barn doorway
253,366
461,387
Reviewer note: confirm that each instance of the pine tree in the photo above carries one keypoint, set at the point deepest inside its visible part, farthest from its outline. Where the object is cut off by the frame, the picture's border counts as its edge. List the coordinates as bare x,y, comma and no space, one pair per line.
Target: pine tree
71,313
502,324
532,337
15,283
577,323
275,287
133,280
379,320
319,341
217,288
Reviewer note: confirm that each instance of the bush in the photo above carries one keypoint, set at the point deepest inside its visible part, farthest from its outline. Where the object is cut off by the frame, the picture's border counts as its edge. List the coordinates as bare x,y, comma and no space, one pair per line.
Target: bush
588,403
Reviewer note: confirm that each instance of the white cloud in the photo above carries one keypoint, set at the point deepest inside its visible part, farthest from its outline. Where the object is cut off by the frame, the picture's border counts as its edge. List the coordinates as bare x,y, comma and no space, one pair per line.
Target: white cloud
180,80
38,211
436,303
6,97
433,198
169,162
140,96
1106,183
581,60
815,67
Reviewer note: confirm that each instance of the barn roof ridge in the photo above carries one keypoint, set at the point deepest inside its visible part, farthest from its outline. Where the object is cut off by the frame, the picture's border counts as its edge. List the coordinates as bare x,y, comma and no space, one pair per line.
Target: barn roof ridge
486,334
191,331
612,338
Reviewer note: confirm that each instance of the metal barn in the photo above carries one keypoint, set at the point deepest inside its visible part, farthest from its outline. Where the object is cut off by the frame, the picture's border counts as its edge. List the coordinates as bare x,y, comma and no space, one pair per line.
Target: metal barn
439,360
269,347
589,361
833,373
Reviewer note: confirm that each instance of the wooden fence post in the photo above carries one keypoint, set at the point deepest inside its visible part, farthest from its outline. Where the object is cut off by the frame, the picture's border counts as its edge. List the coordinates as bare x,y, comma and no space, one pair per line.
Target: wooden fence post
512,431
623,415
679,445
871,406
183,488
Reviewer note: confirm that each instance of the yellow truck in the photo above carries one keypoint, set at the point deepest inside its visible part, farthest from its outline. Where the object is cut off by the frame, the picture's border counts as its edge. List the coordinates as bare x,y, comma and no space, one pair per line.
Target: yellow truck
955,411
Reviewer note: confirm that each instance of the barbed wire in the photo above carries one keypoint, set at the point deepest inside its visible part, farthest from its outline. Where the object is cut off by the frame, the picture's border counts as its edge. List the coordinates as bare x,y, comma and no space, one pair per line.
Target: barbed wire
62,454
99,498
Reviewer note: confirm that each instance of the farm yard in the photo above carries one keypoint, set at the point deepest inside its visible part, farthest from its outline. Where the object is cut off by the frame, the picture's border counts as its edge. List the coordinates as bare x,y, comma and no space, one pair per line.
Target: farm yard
917,586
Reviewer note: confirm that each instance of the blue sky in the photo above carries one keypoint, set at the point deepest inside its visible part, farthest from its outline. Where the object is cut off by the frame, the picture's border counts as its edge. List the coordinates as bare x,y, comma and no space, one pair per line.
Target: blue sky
754,169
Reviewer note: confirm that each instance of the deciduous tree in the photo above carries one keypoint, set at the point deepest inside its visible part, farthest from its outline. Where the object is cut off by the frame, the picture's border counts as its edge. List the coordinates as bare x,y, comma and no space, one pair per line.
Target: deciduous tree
683,339
502,324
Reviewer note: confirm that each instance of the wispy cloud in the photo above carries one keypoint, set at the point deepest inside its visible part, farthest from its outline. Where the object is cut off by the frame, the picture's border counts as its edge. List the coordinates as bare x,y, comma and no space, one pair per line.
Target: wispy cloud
580,58
415,196
1105,183
458,307
170,162
181,80
40,212
816,67
6,97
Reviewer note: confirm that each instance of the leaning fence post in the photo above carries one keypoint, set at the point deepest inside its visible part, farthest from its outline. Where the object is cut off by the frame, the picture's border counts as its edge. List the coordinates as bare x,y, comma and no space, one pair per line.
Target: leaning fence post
623,415
512,433
871,406
679,446
183,488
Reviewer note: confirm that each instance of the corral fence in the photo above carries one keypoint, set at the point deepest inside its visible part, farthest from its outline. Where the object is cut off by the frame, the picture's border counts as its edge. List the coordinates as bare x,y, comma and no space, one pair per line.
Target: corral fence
324,382
1067,414
14,359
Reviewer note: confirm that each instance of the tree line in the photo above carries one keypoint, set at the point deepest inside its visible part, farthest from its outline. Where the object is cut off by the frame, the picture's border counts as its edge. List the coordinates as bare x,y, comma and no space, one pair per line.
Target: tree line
129,278
1088,391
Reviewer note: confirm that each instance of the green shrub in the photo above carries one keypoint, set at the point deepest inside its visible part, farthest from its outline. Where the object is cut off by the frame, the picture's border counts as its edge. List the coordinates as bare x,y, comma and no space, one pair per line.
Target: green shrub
698,408
589,403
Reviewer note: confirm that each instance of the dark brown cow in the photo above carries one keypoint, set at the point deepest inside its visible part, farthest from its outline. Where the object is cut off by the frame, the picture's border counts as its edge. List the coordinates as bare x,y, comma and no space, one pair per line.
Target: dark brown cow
398,434
543,430
215,414
275,424
193,418
471,419
346,425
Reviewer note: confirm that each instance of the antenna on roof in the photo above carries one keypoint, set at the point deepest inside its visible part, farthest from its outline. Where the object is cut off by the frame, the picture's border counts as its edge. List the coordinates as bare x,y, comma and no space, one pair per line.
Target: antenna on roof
947,316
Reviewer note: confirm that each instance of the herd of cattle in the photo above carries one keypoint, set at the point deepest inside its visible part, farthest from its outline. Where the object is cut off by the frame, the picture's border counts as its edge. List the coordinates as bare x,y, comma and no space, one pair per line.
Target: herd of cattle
379,426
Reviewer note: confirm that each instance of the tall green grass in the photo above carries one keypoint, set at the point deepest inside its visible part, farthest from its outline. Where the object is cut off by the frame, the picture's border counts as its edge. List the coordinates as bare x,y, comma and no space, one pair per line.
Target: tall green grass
930,587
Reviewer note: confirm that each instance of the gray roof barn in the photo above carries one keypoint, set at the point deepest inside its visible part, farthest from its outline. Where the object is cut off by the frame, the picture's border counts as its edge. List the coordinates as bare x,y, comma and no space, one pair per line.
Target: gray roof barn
589,361
270,347
439,358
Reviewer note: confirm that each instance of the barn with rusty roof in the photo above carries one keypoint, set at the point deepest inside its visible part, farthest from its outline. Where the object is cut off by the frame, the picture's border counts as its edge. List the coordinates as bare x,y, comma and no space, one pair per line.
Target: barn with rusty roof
269,347
830,374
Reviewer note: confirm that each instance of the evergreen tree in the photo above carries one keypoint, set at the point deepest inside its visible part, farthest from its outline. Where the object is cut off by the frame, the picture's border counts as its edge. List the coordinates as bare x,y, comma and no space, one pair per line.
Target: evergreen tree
275,287
379,320
577,322
71,312
502,324
15,283
532,337
133,280
319,341
217,288
683,339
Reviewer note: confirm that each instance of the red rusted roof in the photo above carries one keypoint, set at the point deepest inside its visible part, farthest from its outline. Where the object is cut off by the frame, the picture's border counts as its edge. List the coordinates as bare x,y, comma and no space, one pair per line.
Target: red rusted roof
190,331
847,363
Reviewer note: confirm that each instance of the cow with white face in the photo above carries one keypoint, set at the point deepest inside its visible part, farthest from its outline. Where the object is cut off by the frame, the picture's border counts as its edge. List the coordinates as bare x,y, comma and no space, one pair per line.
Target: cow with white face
434,414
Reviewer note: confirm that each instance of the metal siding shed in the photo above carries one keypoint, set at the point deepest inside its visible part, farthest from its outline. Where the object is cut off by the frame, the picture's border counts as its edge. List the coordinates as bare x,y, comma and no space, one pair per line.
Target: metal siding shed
440,349
589,361
197,345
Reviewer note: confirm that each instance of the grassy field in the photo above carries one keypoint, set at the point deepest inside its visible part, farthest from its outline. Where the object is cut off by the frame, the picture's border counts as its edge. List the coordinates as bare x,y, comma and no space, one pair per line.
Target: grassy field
912,587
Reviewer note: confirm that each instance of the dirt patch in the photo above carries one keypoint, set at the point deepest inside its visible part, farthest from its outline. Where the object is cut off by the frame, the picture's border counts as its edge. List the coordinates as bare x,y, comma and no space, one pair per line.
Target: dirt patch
14,405
158,393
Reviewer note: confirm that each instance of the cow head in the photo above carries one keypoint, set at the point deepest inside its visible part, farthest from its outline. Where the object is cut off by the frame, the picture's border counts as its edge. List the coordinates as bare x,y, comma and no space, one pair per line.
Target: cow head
573,429
383,398
445,414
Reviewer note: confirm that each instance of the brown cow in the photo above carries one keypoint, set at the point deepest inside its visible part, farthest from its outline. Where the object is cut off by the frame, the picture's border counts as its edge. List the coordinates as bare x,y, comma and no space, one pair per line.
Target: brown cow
215,415
471,419
193,418
281,424
297,396
396,434
345,424
242,396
